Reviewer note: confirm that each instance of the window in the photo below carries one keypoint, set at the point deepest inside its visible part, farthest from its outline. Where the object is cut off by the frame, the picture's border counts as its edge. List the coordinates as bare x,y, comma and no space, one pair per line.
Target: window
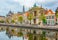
34,21
52,17
48,21
52,22
49,17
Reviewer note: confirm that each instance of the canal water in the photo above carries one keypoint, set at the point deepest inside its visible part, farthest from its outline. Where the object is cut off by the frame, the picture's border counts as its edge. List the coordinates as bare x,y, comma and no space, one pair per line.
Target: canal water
3,36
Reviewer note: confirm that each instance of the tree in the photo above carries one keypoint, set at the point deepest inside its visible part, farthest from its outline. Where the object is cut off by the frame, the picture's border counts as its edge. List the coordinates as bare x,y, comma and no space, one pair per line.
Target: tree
12,30
20,34
12,21
30,36
43,18
56,14
35,38
1,28
30,17
43,36
1,21
20,19
7,29
8,32
7,21
44,21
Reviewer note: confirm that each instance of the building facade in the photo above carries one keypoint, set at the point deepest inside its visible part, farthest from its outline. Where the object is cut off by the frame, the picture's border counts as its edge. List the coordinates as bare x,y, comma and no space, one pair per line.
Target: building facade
36,13
50,17
2,19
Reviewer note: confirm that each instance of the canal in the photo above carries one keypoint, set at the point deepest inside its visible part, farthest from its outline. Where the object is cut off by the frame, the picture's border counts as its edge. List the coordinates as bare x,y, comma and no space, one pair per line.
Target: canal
13,33
3,36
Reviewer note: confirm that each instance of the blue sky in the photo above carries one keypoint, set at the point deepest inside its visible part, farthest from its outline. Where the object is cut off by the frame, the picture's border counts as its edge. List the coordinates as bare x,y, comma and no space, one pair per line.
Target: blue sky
16,5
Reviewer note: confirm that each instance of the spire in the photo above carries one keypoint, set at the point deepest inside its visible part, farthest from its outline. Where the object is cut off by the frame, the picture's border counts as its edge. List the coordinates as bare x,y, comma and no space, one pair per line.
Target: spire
57,8
10,11
23,8
56,11
35,5
41,5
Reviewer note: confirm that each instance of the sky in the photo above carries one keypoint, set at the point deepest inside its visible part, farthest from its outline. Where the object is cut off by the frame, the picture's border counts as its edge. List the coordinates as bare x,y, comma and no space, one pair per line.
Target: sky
17,5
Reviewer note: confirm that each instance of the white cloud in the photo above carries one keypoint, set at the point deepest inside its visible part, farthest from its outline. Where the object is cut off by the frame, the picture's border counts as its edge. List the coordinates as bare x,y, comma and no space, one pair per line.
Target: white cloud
16,5
29,3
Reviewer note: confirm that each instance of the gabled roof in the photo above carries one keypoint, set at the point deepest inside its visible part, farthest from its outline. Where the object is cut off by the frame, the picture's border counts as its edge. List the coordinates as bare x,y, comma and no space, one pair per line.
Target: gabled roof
2,16
49,11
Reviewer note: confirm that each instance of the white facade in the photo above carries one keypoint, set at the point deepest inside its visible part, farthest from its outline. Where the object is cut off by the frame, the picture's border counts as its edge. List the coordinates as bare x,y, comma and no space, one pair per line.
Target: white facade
50,18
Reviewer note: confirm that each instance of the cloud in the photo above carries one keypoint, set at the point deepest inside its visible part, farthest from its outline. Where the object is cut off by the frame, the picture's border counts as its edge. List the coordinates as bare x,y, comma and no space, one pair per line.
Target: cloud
16,5
30,3
45,1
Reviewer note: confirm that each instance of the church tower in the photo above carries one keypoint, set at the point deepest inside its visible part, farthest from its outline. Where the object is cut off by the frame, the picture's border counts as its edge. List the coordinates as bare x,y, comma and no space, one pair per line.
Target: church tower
34,5
23,9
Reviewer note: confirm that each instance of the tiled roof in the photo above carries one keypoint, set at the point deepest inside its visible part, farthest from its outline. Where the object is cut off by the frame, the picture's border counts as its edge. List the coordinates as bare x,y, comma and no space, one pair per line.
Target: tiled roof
18,14
2,16
27,13
49,11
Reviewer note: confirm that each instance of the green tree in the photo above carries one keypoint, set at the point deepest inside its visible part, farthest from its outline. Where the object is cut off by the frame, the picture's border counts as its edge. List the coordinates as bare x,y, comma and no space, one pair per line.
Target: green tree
1,21
20,19
30,17
30,36
43,36
56,13
7,29
13,30
34,32
43,18
12,21
20,34
7,20
44,21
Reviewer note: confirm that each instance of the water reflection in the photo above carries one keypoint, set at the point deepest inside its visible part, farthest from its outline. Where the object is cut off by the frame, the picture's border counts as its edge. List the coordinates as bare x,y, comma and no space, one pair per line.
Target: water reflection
6,36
